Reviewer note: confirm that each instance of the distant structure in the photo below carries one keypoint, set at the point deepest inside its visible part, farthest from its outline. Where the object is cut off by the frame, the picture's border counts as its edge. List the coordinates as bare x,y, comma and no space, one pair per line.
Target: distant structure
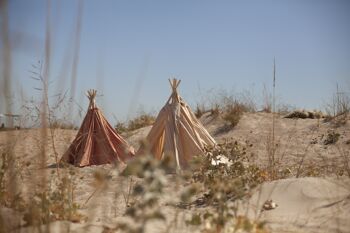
8,120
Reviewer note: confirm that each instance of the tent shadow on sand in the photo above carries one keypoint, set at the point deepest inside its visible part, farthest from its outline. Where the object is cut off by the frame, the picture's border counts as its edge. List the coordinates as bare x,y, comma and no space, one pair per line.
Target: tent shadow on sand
223,129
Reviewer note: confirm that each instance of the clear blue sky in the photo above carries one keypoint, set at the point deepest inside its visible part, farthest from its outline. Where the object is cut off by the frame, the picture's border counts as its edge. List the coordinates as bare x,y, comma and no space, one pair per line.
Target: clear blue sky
207,44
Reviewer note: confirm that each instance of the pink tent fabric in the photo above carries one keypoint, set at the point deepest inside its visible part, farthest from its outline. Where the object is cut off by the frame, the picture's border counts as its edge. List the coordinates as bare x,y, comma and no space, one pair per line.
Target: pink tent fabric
97,142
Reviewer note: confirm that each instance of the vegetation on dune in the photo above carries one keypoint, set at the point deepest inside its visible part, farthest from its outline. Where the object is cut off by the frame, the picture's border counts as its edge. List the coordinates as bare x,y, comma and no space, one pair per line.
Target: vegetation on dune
233,113
140,121
225,162
143,204
46,197
55,203
205,185
228,106
217,181
338,108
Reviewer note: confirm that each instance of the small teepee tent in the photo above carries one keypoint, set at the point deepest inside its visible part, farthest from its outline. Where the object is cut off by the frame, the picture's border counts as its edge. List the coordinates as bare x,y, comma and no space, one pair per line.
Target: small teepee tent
97,142
176,132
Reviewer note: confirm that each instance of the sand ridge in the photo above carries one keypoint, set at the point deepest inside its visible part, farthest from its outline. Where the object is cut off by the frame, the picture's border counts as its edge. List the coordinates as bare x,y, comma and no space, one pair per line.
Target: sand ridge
309,204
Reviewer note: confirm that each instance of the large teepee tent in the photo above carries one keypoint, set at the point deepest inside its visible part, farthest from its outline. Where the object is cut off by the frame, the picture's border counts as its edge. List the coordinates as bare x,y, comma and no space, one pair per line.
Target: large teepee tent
97,142
176,132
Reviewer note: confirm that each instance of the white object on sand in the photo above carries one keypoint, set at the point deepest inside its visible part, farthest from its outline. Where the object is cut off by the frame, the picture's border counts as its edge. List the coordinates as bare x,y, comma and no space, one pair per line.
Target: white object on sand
221,159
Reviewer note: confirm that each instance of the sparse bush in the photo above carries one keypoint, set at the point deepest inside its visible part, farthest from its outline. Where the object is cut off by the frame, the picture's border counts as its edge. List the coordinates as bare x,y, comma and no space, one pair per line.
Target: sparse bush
233,108
120,127
339,104
56,203
142,120
236,168
222,101
345,155
51,200
246,98
146,193
10,172
267,98
303,114
45,205
215,110
331,138
233,113
338,108
62,125
220,194
200,110
3,173
285,109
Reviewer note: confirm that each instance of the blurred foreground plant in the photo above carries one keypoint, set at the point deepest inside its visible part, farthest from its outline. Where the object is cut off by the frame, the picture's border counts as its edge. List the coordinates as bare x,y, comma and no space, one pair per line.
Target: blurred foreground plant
56,203
226,176
146,193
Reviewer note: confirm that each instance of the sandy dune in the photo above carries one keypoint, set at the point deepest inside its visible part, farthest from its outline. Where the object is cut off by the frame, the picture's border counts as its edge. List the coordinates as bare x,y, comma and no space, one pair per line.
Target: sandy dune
306,204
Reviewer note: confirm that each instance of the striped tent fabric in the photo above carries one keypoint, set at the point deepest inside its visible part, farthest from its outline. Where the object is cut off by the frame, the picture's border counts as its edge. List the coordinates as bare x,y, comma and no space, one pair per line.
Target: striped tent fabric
97,142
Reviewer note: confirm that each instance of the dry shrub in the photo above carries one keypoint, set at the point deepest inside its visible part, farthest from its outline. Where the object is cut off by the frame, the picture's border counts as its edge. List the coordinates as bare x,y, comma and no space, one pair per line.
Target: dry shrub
284,109
57,124
50,199
219,101
221,195
267,101
303,114
233,113
200,110
56,203
146,193
204,180
46,199
232,108
345,155
338,108
237,169
46,204
229,106
4,166
7,175
142,120
120,127
331,138
215,110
